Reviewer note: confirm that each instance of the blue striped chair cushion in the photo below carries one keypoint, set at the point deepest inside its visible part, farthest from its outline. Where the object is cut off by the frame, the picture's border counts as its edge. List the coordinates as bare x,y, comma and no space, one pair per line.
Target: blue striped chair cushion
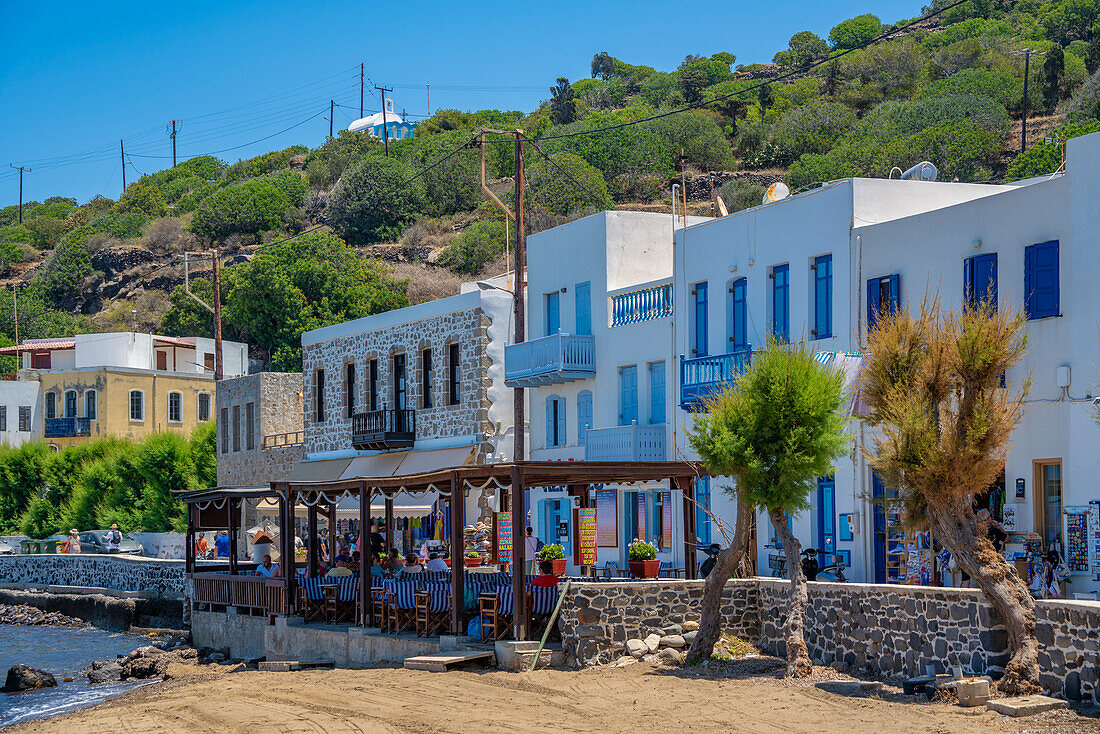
439,600
347,588
543,599
404,594
504,600
436,586
313,588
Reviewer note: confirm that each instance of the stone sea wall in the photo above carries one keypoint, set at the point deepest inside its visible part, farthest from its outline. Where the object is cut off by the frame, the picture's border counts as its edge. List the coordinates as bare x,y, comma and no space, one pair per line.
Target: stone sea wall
886,629
152,577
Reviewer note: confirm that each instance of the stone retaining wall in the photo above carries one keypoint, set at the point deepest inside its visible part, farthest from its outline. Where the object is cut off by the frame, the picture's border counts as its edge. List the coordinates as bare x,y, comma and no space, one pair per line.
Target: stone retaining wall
153,577
886,629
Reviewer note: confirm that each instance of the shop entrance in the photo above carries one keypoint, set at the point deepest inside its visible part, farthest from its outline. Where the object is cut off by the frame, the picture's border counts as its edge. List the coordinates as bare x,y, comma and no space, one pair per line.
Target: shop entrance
555,523
1048,502
826,519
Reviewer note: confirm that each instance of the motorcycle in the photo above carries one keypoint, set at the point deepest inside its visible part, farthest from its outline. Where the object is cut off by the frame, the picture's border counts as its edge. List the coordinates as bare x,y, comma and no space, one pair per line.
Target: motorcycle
712,552
812,569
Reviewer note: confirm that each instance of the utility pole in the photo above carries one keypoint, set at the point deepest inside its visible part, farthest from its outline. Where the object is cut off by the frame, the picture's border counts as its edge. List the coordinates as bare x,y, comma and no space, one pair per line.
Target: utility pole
360,90
122,153
428,92
172,135
1027,54
385,128
217,317
519,286
331,114
15,310
20,169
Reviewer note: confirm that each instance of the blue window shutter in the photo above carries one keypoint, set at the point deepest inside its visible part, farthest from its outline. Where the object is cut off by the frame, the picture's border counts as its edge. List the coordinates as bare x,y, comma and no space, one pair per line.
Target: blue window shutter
1044,287
989,277
553,314
702,504
699,335
980,280
584,415
895,293
657,393
738,336
561,421
628,395
823,296
582,297
873,296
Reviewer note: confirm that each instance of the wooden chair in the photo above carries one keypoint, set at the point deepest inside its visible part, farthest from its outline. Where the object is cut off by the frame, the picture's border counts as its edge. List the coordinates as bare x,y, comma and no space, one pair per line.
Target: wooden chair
541,601
610,569
401,603
311,599
341,600
377,601
433,609
495,613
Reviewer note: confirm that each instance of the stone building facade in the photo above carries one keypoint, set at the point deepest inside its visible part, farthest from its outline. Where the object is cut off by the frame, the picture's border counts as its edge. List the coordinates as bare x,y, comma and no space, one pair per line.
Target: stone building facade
259,428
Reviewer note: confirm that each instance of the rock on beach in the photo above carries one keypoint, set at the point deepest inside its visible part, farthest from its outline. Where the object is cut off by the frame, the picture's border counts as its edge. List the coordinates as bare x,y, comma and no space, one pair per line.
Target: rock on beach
25,678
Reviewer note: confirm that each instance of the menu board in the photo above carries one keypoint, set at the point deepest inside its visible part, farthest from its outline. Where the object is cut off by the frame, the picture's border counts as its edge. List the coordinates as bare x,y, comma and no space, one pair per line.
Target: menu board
666,520
1077,539
503,537
1094,536
607,510
584,549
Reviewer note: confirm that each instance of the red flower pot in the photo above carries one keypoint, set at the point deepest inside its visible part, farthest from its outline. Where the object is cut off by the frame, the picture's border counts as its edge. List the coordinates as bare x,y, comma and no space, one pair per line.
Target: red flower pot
447,561
645,569
473,562
558,565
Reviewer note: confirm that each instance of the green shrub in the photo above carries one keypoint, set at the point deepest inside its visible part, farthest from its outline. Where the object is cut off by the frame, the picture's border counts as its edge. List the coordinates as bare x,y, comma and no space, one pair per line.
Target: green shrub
46,231
699,136
739,194
804,47
551,552
564,184
375,200
262,164
1045,156
479,244
450,187
814,127
998,85
640,550
854,31
63,272
1085,102
143,197
249,207
639,187
126,226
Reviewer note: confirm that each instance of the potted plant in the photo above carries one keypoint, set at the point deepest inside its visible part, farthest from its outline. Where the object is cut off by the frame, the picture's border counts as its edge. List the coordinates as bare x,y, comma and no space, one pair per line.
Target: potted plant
643,559
473,559
447,560
555,554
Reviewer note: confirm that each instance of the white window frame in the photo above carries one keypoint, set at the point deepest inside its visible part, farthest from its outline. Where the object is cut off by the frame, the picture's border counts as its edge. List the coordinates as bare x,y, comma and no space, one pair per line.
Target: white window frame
179,413
130,405
95,398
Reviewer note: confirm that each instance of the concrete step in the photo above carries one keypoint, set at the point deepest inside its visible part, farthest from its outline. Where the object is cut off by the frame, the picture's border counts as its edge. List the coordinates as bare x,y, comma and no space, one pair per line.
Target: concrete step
1025,705
284,666
441,661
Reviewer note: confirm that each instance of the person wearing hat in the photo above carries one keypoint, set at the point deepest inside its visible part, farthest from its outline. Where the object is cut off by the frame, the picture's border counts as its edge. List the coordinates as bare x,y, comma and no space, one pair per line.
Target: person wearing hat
113,538
73,544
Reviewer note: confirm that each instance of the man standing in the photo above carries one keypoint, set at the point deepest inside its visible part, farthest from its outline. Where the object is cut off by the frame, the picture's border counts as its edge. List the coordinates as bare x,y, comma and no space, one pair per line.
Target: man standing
530,548
221,543
113,538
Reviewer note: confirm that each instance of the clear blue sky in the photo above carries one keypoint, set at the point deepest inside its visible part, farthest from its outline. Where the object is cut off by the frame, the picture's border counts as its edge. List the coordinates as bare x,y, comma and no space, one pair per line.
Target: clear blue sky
77,77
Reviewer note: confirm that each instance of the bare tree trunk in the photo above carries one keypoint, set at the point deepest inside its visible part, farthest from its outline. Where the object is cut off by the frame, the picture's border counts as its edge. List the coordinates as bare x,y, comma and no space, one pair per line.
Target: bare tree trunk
956,526
799,664
727,563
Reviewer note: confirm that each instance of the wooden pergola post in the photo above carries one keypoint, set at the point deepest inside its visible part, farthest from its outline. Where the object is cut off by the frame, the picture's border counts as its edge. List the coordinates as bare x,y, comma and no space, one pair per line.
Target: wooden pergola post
458,562
189,552
687,487
519,561
230,521
366,609
311,537
390,543
332,533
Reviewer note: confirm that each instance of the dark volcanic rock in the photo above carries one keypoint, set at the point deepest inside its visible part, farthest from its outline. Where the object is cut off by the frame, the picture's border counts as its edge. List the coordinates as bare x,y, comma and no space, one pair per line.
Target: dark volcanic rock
111,673
25,678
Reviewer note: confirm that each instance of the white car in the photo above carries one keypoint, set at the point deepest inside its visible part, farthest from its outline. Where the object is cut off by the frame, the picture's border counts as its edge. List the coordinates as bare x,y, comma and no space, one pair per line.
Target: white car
6,549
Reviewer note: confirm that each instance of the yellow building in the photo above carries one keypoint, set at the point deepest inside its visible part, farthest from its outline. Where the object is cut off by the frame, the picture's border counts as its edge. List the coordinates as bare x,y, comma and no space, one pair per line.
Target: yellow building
123,384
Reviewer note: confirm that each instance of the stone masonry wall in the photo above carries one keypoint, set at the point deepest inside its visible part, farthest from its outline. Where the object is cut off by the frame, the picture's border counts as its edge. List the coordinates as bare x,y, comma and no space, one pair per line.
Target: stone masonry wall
885,629
467,328
153,577
277,398
597,618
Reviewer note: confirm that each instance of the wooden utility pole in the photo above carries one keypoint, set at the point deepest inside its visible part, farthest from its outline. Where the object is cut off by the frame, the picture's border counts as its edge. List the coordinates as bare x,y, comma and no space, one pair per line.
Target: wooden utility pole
122,153
385,128
428,93
172,135
21,169
331,114
360,90
218,320
1027,54
15,310
519,286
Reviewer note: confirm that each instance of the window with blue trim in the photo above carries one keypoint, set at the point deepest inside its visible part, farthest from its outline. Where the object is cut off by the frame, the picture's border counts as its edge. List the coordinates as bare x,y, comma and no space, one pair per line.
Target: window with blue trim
738,323
628,395
656,392
702,507
584,414
699,320
980,280
823,297
553,313
555,421
883,296
582,299
1041,287
781,302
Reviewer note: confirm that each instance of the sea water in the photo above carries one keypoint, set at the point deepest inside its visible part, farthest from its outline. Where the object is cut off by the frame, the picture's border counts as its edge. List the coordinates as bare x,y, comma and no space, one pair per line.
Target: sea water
65,652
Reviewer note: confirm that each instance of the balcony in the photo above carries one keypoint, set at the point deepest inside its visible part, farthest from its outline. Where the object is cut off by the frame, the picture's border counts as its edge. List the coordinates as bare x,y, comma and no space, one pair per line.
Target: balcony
383,430
644,304
68,427
625,443
551,360
704,378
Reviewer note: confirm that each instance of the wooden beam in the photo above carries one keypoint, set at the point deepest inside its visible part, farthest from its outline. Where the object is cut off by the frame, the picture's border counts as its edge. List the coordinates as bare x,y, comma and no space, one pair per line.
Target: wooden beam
390,542
331,534
230,506
189,552
687,487
366,608
519,565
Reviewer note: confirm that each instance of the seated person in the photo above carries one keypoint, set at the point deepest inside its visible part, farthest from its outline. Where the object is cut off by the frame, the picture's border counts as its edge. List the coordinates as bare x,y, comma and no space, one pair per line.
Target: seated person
376,568
265,569
412,564
396,561
546,575
340,569
435,563
354,564
343,555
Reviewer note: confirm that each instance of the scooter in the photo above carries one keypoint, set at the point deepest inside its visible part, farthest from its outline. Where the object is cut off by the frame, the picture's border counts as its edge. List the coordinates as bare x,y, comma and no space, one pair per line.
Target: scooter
712,552
810,566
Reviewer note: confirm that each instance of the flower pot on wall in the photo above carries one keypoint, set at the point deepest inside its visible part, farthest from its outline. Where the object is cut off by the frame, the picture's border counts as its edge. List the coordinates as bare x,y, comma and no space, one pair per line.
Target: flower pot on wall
473,562
559,566
645,569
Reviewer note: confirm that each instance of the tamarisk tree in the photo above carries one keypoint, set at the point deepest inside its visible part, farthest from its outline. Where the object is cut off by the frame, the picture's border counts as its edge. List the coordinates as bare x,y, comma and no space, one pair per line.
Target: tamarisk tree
777,428
933,382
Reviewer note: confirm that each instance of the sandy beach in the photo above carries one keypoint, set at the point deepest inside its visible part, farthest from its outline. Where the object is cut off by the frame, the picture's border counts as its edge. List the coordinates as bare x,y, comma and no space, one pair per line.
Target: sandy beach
638,698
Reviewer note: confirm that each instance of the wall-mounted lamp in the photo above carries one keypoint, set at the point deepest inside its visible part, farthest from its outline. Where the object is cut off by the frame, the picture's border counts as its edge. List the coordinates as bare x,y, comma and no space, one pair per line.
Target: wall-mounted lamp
733,268
976,243
563,290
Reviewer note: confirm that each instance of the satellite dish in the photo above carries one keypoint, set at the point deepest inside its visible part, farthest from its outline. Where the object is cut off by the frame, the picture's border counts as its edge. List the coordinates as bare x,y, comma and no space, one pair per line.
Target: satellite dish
775,192
721,206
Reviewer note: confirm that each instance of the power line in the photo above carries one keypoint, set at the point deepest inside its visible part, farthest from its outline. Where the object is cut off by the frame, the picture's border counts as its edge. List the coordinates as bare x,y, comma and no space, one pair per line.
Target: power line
576,181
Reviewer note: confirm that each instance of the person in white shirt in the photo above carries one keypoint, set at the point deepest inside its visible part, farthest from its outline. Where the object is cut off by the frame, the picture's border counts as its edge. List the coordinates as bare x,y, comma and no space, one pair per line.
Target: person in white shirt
435,563
530,548
113,538
265,568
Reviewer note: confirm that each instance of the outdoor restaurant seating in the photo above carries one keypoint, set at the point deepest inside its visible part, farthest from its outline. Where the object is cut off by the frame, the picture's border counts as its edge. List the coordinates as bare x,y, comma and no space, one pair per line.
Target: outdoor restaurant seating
311,599
495,612
433,608
341,598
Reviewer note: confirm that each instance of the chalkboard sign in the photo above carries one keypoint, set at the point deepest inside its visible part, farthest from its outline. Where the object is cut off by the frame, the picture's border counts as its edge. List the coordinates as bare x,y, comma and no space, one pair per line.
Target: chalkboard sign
503,538
584,520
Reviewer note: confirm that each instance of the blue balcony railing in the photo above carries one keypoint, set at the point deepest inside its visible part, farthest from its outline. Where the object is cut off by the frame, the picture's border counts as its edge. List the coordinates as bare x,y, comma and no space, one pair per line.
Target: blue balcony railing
68,427
641,305
702,378
550,360
625,443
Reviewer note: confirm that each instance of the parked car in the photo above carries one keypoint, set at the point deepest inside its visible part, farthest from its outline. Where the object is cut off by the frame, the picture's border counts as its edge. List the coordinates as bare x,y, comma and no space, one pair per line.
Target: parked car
6,549
91,541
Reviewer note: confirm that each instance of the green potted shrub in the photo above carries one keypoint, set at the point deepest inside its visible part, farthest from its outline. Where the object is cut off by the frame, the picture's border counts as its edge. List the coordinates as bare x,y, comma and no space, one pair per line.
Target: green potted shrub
556,555
643,559
473,559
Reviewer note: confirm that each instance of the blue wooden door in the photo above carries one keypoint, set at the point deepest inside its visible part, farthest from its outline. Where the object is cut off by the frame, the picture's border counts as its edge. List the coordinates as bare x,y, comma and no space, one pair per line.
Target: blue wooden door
699,333
553,313
628,395
738,336
781,303
582,295
656,392
826,519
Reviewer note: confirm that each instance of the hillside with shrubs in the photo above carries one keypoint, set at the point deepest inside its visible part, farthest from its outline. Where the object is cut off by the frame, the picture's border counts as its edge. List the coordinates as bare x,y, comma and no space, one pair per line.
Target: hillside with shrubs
317,236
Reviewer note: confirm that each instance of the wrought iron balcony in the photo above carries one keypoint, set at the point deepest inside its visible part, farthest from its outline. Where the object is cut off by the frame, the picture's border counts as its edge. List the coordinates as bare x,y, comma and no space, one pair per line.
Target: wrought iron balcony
550,360
702,378
68,427
625,443
381,430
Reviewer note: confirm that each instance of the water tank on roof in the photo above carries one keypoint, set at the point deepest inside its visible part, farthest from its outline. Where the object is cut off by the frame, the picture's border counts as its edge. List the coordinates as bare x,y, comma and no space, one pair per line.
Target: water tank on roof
923,171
